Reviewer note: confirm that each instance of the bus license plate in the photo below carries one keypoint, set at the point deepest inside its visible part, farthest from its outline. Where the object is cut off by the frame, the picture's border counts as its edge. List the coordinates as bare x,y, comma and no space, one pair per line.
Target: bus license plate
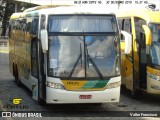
85,96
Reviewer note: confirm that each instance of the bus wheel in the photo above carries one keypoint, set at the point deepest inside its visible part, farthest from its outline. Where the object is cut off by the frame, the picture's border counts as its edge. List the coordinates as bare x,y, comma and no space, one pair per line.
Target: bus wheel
16,77
42,102
13,68
136,94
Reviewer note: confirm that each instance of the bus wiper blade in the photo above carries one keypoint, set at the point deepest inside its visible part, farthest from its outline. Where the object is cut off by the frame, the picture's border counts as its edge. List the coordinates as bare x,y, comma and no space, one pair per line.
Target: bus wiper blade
95,66
76,63
79,57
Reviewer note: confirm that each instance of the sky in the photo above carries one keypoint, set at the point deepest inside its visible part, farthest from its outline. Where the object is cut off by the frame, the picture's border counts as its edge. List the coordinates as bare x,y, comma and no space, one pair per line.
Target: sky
109,4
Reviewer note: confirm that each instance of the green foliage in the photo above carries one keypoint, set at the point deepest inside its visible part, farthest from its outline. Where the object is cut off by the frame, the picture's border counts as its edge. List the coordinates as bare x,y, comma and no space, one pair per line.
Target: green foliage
7,8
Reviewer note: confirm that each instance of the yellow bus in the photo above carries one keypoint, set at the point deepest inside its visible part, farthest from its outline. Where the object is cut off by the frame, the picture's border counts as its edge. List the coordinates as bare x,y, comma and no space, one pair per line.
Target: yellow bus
66,54
140,69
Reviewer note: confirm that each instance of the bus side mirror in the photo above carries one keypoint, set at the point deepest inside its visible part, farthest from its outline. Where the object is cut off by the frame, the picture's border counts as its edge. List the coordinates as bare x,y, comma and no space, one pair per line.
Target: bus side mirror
44,40
148,34
128,42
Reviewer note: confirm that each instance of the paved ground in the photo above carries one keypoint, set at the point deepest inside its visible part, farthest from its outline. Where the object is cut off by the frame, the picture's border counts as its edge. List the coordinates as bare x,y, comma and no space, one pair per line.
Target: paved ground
8,91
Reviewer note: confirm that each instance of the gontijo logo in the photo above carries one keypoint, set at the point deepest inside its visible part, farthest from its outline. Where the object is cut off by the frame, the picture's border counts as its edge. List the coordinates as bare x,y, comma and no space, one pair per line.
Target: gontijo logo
16,101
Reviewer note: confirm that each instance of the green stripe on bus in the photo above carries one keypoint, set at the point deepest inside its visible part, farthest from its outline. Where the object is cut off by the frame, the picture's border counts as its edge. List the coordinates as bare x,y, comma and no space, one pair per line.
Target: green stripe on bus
95,84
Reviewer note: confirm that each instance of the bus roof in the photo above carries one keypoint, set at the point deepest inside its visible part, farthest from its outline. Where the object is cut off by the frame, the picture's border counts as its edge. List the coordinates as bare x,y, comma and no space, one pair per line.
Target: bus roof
63,9
148,15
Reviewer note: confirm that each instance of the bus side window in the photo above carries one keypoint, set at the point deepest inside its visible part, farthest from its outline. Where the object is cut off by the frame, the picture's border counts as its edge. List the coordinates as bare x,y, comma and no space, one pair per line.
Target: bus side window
126,26
139,30
120,26
42,23
23,25
34,26
15,25
28,25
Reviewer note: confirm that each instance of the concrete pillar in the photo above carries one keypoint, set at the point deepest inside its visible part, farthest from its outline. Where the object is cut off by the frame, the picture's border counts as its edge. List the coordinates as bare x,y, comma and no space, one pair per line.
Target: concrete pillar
17,7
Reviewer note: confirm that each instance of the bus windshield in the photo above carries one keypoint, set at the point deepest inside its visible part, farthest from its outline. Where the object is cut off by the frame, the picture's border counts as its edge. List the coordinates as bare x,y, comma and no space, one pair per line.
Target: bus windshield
87,54
79,23
155,47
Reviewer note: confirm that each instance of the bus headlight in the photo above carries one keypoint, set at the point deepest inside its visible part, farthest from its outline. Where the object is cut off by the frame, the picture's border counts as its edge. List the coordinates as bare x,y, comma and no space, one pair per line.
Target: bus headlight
54,85
153,76
113,85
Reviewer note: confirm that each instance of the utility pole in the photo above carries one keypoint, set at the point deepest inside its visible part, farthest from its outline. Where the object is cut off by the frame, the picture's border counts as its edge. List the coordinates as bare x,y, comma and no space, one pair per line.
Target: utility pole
118,4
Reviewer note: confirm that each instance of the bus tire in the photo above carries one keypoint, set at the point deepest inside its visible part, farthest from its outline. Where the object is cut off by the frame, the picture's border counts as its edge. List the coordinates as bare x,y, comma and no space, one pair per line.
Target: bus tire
17,77
42,102
13,68
136,94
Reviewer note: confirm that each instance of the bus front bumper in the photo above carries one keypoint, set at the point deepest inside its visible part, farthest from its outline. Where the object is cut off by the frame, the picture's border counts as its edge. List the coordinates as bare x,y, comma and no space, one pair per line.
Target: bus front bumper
55,96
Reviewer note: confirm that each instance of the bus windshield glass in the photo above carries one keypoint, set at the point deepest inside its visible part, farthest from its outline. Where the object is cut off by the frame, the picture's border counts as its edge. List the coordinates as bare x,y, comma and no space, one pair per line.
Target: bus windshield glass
155,47
70,23
90,53
83,56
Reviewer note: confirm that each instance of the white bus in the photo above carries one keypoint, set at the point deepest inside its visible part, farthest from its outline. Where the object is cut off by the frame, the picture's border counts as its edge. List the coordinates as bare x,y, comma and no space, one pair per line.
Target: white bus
66,54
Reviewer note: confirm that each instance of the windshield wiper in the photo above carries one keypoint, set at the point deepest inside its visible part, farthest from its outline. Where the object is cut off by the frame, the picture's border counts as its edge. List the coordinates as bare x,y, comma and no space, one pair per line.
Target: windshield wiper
95,66
88,59
93,63
76,63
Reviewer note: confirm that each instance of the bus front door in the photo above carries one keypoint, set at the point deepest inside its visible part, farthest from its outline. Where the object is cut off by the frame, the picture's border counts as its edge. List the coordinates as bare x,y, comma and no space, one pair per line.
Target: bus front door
37,72
142,62
34,69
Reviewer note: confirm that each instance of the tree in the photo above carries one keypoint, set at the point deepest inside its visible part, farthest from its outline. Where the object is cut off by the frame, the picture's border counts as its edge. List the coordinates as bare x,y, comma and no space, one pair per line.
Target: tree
6,9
